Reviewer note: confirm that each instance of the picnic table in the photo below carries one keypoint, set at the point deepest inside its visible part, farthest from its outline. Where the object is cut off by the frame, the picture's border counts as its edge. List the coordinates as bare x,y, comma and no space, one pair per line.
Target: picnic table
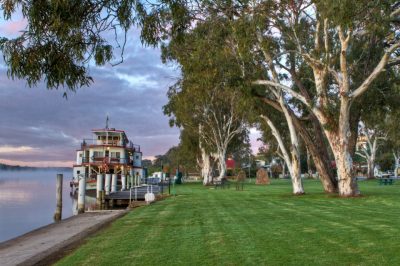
386,180
223,183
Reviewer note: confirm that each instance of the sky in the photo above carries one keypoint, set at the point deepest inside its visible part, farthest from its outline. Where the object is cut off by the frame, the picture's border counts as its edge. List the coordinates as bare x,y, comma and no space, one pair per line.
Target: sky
39,127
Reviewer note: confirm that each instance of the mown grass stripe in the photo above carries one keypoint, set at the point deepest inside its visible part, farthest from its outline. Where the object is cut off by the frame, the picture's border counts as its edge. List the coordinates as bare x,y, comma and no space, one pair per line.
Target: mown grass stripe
262,225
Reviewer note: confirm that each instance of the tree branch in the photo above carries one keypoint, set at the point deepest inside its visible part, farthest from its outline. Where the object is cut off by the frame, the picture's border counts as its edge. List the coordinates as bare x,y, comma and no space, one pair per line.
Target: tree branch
375,73
284,88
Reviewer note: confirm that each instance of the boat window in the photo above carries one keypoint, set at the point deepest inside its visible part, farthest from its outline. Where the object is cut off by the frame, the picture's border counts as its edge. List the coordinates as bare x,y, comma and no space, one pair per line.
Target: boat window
97,154
115,154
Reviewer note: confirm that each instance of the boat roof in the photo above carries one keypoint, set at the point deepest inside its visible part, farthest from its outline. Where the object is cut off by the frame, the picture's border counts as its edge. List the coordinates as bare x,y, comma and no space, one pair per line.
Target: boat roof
108,130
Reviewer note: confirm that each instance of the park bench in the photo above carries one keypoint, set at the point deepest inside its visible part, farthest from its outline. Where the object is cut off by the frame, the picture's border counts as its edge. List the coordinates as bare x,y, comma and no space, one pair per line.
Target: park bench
386,181
223,183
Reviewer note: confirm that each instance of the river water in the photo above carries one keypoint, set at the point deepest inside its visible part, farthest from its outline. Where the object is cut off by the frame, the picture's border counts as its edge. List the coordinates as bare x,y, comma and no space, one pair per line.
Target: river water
28,200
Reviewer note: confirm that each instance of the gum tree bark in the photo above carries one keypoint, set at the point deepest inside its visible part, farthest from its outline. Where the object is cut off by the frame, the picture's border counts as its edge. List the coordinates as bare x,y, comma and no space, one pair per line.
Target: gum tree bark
204,162
396,156
337,132
292,160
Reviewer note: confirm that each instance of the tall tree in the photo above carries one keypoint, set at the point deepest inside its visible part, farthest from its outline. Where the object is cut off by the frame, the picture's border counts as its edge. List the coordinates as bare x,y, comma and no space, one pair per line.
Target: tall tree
337,29
210,95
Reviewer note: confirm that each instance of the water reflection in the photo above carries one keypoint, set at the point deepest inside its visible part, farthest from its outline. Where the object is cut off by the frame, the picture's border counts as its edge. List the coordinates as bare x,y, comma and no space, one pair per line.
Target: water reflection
90,201
28,200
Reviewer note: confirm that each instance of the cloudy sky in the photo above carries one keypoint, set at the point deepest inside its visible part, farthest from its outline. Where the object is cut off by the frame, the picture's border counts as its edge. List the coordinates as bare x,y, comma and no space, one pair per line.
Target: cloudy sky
38,127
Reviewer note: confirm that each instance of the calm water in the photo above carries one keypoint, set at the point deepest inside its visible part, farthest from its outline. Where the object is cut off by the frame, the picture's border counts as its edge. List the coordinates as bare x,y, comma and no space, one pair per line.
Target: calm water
28,200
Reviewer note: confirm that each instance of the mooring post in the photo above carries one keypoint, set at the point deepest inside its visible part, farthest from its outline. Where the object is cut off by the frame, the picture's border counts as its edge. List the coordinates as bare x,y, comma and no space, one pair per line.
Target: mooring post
108,184
58,212
123,182
114,183
130,197
81,194
103,199
99,188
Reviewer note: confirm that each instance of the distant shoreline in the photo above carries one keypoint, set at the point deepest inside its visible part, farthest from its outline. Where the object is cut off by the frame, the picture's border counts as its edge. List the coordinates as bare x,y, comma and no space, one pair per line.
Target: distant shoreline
6,167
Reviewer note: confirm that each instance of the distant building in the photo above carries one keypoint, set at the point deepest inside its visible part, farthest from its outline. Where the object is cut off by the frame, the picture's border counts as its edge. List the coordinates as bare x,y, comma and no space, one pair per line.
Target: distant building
260,163
230,164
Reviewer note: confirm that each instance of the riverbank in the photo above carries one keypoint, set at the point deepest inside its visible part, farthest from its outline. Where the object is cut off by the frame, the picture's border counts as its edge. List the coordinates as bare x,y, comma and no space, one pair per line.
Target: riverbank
50,243
262,225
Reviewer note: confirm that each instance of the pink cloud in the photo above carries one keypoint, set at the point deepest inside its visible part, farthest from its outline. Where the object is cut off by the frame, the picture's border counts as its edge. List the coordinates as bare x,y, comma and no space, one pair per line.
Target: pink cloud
12,28
254,142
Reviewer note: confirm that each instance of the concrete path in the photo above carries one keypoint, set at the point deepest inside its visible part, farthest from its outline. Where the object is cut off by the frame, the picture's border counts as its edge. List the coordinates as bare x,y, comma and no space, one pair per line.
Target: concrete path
49,243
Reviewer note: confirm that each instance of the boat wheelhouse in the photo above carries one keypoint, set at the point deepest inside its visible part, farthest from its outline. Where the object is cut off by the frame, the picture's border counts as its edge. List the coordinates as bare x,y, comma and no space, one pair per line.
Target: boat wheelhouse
109,151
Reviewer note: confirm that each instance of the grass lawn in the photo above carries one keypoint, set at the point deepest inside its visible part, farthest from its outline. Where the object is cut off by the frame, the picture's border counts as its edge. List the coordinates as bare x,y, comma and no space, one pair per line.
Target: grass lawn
263,225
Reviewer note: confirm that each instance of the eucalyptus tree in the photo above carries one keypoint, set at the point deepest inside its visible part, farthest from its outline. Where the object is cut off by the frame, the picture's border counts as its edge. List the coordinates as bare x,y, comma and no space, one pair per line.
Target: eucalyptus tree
335,28
219,117
334,40
369,149
210,96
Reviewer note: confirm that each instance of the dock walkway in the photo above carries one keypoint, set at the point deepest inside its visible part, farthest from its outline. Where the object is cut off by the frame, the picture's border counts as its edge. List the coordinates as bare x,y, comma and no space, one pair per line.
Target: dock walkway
49,243
137,192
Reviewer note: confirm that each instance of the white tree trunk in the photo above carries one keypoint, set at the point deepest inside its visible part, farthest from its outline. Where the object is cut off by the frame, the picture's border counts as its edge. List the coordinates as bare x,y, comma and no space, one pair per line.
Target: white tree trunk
293,163
396,164
370,169
205,163
205,167
309,170
221,163
295,169
344,163
295,174
283,165
371,163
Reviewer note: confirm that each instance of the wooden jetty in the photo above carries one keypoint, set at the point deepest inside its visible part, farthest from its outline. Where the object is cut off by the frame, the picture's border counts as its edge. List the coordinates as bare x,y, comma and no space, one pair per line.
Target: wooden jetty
135,193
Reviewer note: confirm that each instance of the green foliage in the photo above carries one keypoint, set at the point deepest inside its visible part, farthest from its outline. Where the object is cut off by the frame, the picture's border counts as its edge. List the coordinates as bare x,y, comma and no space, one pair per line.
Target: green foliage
212,88
62,38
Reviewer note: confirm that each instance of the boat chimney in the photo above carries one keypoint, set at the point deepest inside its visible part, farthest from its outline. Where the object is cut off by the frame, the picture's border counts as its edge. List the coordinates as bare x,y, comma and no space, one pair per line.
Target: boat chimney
107,119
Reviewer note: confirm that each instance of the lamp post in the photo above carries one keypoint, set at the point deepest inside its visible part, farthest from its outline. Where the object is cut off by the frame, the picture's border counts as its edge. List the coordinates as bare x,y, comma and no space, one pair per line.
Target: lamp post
249,165
161,179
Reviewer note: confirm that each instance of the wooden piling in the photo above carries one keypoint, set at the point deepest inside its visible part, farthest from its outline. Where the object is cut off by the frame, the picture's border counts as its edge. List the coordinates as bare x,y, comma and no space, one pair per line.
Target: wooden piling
103,200
58,212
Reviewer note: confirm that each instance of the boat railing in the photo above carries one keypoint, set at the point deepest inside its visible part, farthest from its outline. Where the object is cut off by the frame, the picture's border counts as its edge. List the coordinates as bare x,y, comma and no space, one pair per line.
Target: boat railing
107,160
117,143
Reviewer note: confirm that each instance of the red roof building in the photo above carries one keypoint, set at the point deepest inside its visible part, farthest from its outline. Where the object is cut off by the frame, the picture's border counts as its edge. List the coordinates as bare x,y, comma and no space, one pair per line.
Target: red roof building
230,163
